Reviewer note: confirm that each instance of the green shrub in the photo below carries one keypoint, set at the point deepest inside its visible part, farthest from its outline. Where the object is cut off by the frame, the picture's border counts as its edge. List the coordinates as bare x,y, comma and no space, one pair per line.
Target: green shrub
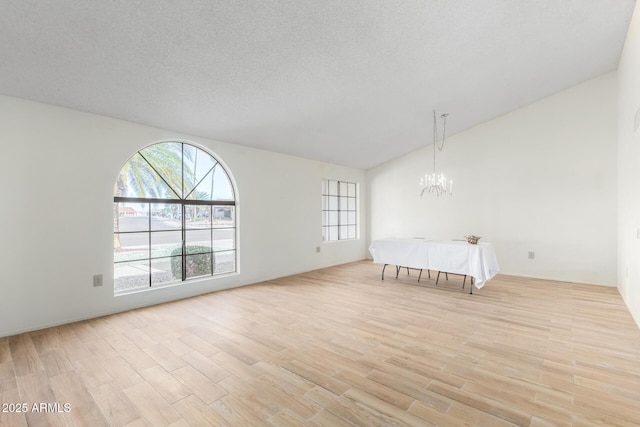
200,262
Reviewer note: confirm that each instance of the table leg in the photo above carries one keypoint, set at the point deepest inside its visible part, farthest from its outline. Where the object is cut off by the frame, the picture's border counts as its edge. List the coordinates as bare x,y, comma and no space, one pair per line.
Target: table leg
385,266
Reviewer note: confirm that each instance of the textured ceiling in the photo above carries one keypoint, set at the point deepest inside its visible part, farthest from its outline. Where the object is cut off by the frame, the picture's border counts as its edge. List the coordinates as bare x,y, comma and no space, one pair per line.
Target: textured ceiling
350,82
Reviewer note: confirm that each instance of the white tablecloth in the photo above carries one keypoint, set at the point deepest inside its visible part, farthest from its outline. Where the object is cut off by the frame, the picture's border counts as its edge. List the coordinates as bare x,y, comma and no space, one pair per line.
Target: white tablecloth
478,261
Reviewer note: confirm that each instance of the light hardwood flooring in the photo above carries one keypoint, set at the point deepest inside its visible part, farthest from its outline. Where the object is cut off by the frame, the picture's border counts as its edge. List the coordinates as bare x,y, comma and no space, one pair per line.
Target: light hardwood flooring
339,347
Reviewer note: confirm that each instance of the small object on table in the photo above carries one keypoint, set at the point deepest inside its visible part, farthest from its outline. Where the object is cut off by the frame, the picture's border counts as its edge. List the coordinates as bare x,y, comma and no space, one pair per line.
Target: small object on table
472,239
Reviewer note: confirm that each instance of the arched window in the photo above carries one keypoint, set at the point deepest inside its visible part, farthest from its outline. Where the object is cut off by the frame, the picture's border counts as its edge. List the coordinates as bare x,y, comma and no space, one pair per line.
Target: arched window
174,218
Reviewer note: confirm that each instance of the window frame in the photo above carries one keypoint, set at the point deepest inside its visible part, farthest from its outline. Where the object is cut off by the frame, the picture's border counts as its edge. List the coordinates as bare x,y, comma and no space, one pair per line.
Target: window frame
340,210
184,205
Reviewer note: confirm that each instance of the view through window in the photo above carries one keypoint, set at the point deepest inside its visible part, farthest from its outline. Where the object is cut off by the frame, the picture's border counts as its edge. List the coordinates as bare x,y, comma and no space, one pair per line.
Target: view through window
174,218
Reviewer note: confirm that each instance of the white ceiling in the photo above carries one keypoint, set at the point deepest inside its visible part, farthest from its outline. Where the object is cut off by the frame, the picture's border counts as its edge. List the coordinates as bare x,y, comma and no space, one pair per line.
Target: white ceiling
351,82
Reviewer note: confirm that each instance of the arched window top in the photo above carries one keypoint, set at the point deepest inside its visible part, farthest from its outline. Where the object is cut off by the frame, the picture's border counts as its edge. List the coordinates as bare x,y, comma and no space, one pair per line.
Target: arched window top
174,171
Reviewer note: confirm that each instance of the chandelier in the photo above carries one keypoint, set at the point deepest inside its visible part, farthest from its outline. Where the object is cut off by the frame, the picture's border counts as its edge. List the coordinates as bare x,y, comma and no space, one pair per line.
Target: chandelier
434,182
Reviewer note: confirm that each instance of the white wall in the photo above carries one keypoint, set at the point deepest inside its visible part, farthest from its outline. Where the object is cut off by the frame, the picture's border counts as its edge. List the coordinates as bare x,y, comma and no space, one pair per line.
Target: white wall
541,178
58,168
629,170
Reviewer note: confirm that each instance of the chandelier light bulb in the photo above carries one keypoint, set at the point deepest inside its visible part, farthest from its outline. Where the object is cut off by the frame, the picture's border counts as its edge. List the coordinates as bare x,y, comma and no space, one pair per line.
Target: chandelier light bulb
437,184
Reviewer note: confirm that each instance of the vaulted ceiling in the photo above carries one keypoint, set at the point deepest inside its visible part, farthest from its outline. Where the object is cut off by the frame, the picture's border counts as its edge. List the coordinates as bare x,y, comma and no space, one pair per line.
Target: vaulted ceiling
351,82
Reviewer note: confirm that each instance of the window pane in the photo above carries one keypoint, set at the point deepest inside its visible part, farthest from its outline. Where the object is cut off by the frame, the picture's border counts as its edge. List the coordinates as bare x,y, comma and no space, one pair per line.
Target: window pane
175,263
164,216
325,203
199,216
333,188
198,241
351,218
203,215
343,232
351,204
199,265
225,262
351,232
222,189
333,217
343,189
128,276
333,203
325,186
123,212
343,217
224,216
166,243
325,234
333,233
132,246
351,190
164,272
224,238
344,204
130,217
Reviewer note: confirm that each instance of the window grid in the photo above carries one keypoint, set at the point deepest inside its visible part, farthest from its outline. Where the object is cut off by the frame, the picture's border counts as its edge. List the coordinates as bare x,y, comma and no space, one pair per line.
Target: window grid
339,210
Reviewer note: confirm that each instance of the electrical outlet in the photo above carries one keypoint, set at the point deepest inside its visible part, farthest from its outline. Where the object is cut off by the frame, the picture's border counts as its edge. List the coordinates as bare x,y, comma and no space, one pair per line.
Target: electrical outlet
317,249
532,255
97,280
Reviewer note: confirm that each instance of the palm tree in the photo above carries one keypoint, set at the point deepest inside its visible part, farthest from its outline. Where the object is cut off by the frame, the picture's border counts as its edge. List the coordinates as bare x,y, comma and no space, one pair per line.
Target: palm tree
153,172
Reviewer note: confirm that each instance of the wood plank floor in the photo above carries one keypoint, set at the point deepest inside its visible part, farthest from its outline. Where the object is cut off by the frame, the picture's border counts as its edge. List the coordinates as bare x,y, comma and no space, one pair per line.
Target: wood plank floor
338,347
